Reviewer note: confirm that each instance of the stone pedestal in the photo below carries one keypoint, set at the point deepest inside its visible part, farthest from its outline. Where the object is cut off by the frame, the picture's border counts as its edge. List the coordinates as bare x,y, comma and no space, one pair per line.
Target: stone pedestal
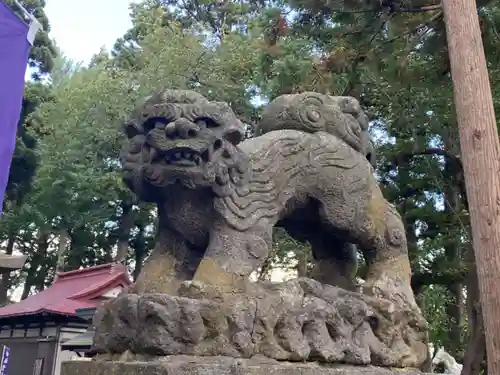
299,320
190,365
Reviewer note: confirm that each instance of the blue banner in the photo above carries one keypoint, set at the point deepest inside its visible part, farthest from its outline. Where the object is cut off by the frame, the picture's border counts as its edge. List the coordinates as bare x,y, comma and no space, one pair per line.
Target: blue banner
4,364
14,52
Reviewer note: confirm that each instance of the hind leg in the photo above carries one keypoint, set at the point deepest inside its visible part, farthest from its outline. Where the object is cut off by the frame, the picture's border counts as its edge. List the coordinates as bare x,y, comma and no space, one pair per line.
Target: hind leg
335,261
386,255
373,223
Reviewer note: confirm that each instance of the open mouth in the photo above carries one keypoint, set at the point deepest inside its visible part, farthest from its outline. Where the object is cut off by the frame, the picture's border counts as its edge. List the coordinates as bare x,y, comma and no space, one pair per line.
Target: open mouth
180,156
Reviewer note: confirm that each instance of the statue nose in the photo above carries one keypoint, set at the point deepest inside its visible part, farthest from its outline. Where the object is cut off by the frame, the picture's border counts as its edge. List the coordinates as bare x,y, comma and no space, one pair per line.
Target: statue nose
182,128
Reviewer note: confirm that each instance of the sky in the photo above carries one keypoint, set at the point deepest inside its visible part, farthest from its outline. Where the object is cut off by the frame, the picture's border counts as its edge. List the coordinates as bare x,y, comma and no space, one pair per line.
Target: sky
81,28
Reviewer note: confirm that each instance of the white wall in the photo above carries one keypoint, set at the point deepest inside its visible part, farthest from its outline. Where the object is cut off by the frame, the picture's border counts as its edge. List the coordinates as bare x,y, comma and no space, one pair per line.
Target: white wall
113,293
66,355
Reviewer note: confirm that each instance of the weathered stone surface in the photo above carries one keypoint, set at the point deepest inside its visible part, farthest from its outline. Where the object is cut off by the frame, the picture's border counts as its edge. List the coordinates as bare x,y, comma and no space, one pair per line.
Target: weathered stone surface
298,320
186,365
218,199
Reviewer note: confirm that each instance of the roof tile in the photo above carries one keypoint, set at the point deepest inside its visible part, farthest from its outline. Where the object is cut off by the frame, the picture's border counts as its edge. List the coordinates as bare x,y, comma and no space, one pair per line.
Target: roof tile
71,290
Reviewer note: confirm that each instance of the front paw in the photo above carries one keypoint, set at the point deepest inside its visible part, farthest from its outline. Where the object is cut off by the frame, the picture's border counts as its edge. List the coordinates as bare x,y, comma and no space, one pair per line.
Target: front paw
200,290
392,289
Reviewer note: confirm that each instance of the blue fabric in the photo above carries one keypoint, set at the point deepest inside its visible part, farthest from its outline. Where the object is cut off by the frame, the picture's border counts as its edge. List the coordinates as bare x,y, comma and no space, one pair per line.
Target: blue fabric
14,52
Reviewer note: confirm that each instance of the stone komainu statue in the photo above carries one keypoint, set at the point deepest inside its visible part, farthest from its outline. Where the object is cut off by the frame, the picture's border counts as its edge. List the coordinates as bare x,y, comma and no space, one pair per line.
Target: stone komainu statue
218,200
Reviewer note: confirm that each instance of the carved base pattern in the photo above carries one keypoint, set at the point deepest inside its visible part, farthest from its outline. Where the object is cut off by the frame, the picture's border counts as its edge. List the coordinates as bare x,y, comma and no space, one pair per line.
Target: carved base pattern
297,320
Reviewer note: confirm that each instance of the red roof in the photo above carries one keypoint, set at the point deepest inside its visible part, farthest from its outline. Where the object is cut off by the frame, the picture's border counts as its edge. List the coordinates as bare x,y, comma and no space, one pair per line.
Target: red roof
71,290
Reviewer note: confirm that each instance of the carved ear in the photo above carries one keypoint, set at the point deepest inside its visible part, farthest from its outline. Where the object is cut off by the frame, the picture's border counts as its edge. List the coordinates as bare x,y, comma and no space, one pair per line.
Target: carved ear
369,149
371,155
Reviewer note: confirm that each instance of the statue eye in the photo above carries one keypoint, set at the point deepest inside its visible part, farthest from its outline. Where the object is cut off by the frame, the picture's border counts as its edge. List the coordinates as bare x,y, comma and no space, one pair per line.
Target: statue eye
206,122
154,122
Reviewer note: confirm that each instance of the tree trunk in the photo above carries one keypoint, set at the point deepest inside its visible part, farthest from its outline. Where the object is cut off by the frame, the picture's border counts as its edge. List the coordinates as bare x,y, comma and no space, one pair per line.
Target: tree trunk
126,223
407,205
139,260
409,222
302,262
480,157
61,250
28,283
34,276
476,346
265,269
139,252
5,280
40,284
454,308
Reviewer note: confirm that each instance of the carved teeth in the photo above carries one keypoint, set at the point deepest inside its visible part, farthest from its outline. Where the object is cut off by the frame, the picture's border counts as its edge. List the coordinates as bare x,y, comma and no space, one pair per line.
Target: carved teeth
185,155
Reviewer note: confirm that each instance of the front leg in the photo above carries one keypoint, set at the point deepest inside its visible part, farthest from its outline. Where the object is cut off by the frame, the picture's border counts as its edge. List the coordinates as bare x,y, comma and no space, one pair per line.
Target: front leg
170,263
232,255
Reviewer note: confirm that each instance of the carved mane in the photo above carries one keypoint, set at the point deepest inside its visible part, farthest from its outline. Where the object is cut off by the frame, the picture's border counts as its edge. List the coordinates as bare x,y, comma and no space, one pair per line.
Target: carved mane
277,161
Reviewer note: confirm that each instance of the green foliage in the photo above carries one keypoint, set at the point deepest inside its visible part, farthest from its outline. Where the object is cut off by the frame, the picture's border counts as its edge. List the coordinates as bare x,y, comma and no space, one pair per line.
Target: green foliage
435,298
43,51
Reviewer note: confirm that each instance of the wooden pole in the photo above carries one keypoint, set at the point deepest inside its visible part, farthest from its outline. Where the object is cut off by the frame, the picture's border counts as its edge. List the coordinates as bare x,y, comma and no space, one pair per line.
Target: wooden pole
480,153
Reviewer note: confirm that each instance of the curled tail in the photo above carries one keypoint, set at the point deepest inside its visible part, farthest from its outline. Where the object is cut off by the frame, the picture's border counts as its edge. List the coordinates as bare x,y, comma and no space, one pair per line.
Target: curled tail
312,112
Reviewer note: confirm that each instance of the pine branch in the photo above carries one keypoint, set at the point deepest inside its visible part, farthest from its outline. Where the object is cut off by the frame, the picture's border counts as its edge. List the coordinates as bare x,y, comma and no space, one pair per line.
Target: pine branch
448,277
404,157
